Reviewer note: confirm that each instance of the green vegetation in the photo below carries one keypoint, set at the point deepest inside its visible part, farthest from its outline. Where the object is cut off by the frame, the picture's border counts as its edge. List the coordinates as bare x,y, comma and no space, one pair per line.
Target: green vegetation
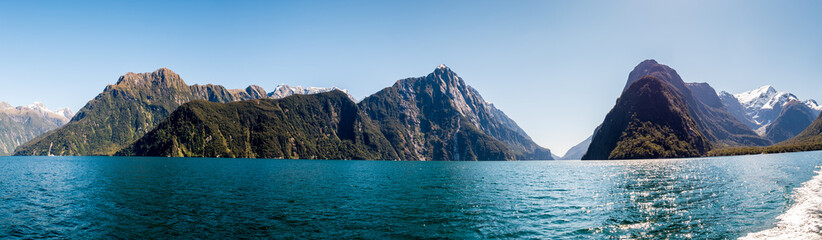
20,126
437,117
815,145
123,113
646,140
794,118
660,116
321,126
424,118
650,120
808,140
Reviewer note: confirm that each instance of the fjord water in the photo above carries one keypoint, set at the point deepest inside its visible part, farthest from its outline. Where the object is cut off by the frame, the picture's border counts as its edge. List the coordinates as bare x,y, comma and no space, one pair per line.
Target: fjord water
113,197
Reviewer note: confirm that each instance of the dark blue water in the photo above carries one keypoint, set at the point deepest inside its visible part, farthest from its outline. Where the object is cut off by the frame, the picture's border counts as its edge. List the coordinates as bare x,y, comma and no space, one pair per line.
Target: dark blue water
112,197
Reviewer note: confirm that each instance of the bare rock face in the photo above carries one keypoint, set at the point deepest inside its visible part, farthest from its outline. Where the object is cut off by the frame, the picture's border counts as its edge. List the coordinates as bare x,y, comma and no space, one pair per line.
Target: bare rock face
439,117
126,111
21,124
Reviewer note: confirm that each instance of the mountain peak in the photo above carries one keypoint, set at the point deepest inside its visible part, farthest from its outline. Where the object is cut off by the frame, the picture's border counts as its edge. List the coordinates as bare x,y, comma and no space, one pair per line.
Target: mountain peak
164,71
443,69
648,62
765,89
762,96
161,76
661,71
37,106
765,104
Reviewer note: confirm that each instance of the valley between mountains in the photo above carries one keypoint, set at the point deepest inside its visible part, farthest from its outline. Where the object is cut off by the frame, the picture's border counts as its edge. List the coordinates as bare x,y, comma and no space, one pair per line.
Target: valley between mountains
433,117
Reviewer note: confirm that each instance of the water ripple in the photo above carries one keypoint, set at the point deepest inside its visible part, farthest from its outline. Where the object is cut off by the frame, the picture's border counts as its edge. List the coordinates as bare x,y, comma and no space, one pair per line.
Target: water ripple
103,197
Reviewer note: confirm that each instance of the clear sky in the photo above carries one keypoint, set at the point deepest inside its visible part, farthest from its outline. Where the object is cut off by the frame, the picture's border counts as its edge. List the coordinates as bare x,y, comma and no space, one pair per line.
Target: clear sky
555,67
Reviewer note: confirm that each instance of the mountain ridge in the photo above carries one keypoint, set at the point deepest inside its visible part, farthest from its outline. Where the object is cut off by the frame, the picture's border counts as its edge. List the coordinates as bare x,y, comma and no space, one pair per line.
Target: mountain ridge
125,111
420,106
434,117
23,123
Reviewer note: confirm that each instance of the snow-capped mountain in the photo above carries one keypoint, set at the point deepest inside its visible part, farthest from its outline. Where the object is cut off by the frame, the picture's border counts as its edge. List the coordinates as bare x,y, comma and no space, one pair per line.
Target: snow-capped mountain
61,116
283,90
23,123
764,104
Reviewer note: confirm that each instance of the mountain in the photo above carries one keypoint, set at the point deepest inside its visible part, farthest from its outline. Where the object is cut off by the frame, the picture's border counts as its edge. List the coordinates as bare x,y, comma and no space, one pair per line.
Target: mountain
810,136
321,126
763,105
23,123
282,91
650,120
576,152
436,117
439,117
693,105
794,118
714,120
809,139
126,111
737,110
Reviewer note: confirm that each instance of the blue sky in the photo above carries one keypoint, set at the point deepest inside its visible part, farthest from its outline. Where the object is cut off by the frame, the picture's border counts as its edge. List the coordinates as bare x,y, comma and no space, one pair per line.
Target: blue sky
555,67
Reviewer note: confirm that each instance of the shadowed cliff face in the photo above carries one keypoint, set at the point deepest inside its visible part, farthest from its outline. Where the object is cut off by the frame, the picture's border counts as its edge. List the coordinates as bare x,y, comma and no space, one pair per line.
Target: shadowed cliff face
650,120
705,94
124,112
700,104
813,133
714,120
795,117
439,117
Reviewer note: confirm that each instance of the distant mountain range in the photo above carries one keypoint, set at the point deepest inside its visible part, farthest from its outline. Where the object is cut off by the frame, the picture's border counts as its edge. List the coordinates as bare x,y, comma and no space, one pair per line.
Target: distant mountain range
577,151
282,91
809,139
21,124
764,109
436,117
433,117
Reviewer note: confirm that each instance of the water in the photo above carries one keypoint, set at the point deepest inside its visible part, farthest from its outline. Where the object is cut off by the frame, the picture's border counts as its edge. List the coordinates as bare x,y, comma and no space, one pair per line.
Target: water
110,197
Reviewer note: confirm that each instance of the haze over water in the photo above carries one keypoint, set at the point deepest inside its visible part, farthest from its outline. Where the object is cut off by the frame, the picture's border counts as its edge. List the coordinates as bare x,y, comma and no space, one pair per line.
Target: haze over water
110,197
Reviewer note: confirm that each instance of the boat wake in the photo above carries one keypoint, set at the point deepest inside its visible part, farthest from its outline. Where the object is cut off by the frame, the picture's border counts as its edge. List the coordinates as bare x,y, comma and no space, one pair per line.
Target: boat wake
803,220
